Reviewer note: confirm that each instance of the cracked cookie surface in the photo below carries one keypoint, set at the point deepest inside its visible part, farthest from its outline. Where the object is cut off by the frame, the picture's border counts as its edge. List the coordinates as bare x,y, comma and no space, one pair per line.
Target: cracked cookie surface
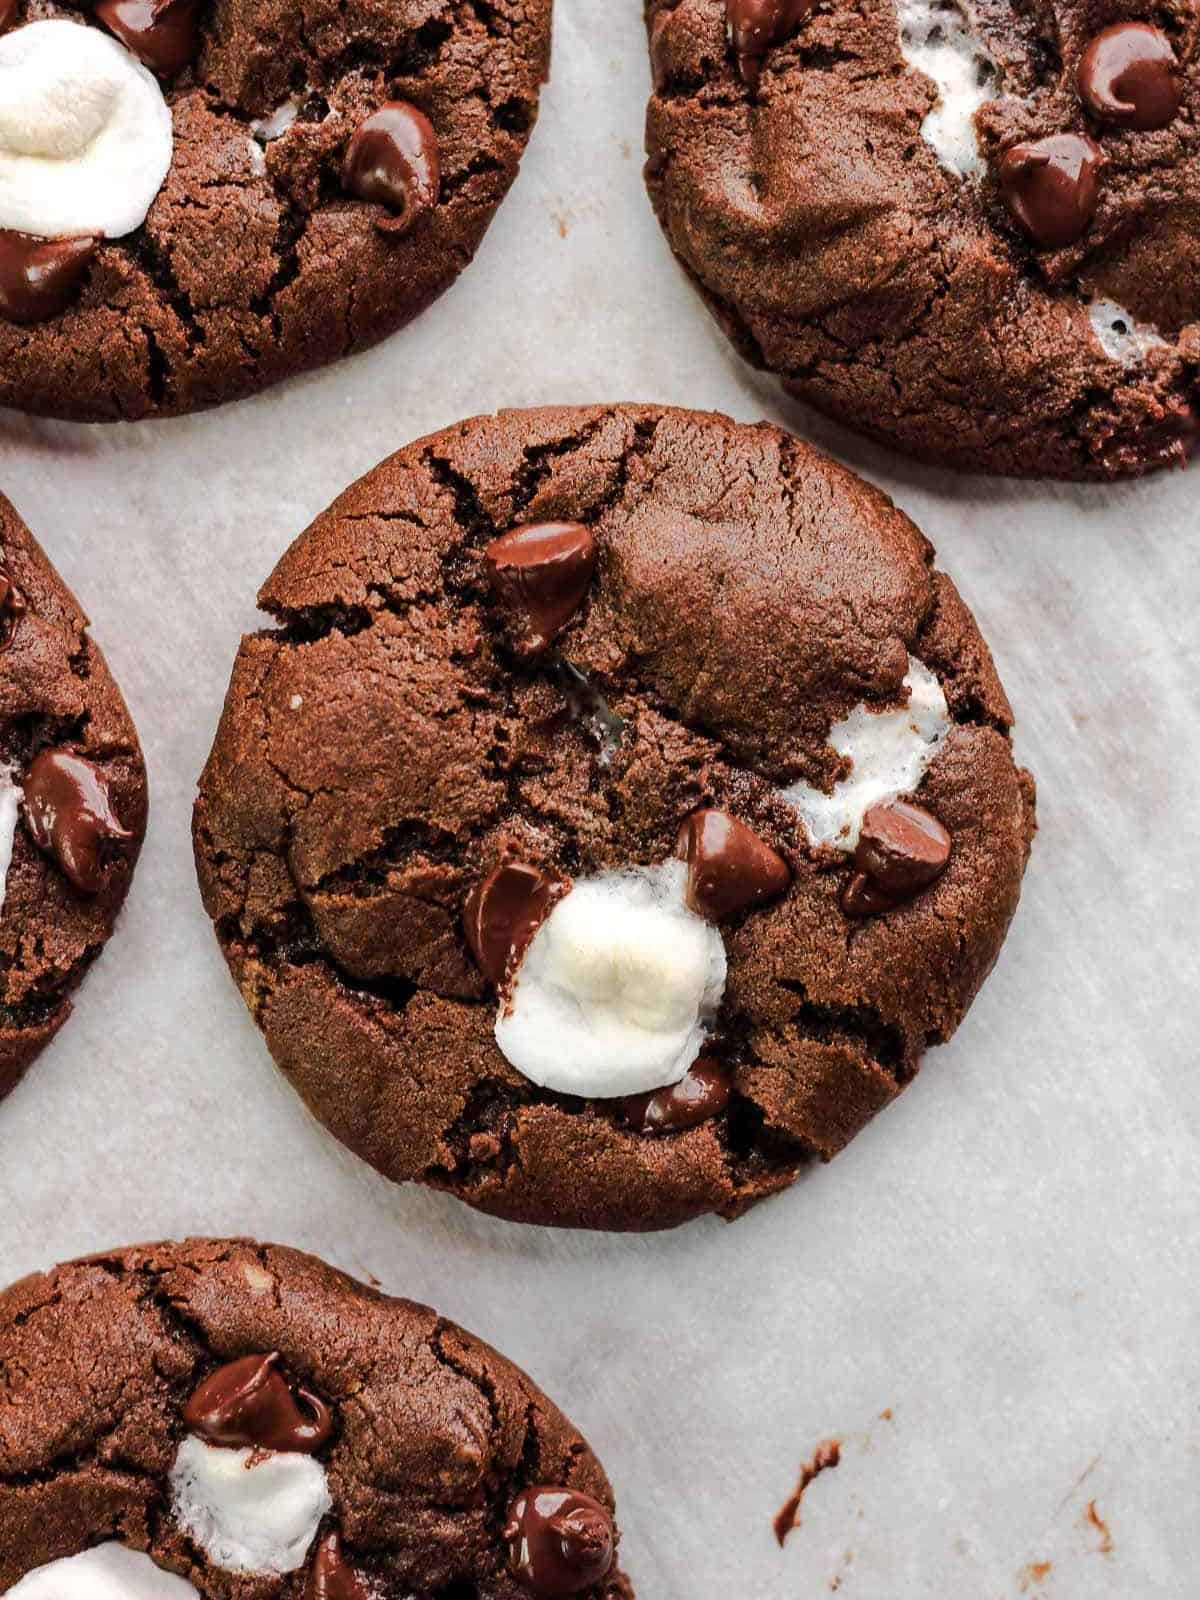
254,261
388,744
842,208
56,696
433,1436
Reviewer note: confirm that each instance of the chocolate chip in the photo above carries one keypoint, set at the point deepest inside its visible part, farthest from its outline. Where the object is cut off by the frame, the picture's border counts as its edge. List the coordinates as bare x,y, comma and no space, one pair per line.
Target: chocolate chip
560,1541
1051,186
8,12
70,816
901,847
39,278
1129,77
248,1404
542,572
331,1577
13,607
503,913
393,161
164,34
730,868
756,26
863,898
703,1094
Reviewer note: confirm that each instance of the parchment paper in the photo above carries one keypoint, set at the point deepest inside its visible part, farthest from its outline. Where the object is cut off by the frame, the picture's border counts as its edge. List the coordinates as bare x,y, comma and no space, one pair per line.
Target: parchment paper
1005,1262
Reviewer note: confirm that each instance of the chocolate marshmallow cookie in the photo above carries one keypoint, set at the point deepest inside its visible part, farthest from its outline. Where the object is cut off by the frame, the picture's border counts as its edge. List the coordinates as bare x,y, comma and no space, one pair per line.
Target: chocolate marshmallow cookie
621,805
223,1418
967,227
200,197
72,799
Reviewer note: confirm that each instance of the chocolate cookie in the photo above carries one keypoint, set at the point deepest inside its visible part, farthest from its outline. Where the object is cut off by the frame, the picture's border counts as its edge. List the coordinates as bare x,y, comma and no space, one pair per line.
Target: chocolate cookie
967,227
231,1419
622,804
72,799
200,197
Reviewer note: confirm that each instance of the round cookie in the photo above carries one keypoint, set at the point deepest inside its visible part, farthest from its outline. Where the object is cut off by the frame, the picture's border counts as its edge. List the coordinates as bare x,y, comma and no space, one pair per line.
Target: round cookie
240,192
224,1418
72,799
531,833
966,227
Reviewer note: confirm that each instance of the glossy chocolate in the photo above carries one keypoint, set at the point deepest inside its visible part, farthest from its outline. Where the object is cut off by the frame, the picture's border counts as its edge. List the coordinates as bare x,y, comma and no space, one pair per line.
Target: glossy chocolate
164,34
756,26
39,278
331,1576
8,13
560,1541
703,1094
393,161
861,897
730,868
13,607
901,847
70,816
1051,186
504,911
248,1404
1128,77
542,572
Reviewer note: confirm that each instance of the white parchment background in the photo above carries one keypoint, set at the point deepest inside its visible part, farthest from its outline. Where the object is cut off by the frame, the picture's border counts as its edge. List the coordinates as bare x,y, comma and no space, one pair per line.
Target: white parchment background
1006,1261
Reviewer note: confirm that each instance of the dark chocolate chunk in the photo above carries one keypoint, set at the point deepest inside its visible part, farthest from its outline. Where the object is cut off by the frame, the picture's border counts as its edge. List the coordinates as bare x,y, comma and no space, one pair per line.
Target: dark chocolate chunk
504,911
703,1094
13,607
862,897
1129,77
756,26
164,34
8,13
70,815
901,847
1051,186
248,1403
542,572
393,161
730,868
332,1577
39,278
560,1541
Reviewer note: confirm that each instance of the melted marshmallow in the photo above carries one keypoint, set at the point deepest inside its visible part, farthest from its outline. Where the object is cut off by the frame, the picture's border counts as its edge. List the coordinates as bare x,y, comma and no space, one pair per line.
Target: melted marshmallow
1120,335
10,805
890,752
940,39
617,989
249,1510
85,134
107,1572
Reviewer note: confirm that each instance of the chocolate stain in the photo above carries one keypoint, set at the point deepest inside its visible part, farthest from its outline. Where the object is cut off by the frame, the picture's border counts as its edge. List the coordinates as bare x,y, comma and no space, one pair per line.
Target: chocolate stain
827,1454
1093,1517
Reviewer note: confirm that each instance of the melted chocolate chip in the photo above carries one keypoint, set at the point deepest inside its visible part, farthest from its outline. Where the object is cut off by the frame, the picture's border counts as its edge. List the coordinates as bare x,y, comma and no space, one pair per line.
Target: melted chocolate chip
331,1577
560,1541
248,1404
1129,77
503,913
756,26
542,572
1051,186
863,898
730,868
164,34
901,849
39,278
393,161
8,13
70,815
703,1094
13,607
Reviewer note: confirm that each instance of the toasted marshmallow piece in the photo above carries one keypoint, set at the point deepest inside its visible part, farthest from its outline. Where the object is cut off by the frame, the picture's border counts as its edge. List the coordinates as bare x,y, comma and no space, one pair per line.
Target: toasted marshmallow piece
617,989
940,39
890,750
85,134
1120,335
250,1511
10,804
107,1572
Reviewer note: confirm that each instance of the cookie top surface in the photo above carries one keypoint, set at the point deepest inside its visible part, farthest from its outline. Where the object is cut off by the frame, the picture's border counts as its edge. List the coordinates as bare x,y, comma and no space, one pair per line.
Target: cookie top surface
444,831
248,1419
329,171
967,227
72,798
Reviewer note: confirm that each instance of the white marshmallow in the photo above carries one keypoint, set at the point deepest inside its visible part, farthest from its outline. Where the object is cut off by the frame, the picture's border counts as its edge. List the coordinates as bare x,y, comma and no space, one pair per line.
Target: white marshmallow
940,38
85,134
617,989
10,805
890,752
106,1572
266,129
249,1510
1120,335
